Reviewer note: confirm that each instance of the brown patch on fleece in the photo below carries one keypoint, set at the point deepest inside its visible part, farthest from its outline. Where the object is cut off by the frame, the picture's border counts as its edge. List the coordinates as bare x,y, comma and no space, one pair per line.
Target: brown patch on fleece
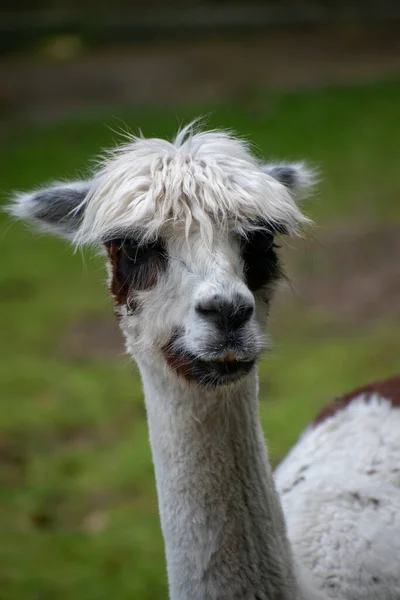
118,288
177,362
388,388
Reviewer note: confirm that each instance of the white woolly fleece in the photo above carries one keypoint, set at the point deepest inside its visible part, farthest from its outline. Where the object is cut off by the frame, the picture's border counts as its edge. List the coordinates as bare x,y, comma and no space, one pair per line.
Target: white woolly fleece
340,490
209,179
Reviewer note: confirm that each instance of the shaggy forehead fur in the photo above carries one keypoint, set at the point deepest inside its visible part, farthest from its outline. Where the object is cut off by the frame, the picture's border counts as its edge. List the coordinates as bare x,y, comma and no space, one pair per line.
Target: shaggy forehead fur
204,180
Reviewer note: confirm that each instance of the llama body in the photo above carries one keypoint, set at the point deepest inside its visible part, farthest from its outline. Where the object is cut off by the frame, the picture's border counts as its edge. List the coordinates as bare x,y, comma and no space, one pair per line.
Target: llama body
188,228
340,490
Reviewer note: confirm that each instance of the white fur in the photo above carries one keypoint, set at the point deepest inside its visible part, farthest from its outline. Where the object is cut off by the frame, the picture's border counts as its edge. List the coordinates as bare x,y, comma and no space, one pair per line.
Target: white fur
209,180
340,489
222,522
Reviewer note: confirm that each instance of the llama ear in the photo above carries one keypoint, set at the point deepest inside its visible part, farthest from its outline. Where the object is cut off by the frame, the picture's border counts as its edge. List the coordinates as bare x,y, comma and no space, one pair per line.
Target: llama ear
58,208
298,178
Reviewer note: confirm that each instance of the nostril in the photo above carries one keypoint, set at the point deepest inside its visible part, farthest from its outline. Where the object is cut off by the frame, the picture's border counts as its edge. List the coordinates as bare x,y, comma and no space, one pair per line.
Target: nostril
225,313
242,314
206,310
209,307
247,312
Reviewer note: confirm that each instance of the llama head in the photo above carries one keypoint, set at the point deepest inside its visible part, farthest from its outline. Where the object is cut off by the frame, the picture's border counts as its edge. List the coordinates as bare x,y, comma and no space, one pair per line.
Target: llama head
188,229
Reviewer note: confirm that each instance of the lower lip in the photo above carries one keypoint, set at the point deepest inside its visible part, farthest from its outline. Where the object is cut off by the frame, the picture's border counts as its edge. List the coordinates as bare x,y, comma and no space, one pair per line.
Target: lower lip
227,377
207,373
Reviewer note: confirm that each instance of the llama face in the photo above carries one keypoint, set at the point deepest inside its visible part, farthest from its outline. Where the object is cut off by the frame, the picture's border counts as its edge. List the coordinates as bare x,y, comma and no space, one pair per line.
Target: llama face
188,228
201,309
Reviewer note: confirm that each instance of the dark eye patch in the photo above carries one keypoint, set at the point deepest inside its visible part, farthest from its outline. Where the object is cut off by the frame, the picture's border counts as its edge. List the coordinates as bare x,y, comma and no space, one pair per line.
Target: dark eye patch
134,254
261,261
135,266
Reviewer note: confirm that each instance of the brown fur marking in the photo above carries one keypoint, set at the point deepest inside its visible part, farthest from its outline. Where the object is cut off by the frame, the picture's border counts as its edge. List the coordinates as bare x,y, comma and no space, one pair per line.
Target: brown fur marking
118,289
177,363
388,388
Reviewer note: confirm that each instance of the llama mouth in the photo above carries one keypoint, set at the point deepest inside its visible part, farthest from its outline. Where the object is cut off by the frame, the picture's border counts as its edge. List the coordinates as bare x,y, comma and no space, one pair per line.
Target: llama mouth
213,372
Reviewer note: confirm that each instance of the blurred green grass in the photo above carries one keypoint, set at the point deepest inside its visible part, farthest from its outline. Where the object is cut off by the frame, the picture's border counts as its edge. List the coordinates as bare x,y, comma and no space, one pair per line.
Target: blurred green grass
78,507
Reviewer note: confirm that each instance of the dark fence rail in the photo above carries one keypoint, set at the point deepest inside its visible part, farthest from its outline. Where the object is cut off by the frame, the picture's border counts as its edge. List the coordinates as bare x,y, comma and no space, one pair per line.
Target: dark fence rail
23,28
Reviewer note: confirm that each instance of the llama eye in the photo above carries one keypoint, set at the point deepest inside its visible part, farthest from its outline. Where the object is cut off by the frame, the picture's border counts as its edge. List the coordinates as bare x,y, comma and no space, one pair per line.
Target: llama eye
261,261
141,263
138,253
136,266
261,240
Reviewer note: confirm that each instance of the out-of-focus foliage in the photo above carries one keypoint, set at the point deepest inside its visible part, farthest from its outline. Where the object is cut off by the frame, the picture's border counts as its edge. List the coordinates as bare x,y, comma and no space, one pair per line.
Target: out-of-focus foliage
95,23
53,4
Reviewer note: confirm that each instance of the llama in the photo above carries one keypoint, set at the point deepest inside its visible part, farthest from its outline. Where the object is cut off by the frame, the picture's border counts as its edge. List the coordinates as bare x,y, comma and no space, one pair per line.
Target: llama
188,229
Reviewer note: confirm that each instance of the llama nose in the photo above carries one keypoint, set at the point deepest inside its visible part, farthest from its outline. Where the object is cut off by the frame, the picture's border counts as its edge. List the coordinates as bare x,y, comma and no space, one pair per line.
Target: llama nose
225,313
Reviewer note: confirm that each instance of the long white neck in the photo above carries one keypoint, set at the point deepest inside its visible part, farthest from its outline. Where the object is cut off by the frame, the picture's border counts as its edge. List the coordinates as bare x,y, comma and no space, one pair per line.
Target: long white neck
221,518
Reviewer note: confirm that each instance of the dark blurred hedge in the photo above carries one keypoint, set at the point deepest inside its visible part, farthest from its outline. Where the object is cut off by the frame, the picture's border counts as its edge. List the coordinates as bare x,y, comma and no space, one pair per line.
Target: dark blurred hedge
126,21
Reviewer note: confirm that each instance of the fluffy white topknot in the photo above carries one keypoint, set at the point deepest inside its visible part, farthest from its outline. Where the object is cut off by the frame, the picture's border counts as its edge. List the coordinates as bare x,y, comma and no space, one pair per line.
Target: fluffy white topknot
207,179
